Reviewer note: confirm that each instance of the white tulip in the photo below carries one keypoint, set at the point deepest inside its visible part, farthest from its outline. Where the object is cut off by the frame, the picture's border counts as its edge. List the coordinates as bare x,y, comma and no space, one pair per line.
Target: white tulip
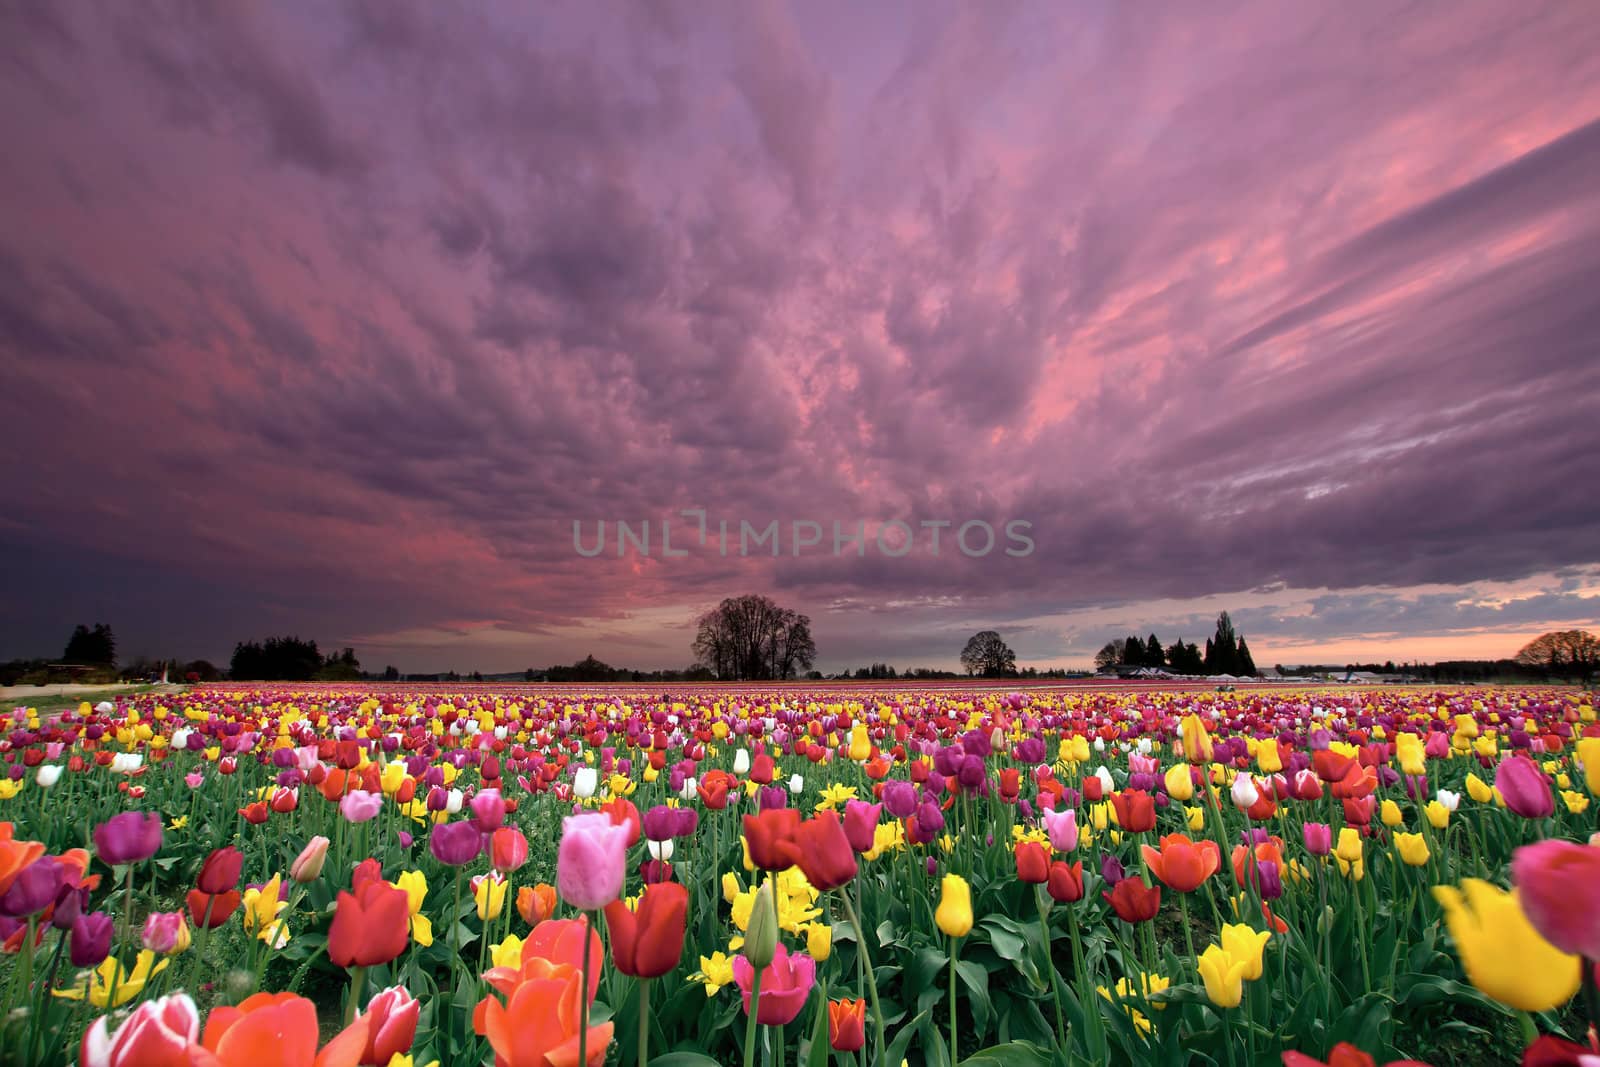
1245,793
48,775
126,762
688,791
660,850
797,784
1104,774
1099,744
1451,801
585,781
1145,746
105,706
180,737
741,761
452,802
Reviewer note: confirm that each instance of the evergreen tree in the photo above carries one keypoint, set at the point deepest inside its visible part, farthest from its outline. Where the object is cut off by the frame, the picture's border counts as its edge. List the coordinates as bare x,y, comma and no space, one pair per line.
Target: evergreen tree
1209,663
1247,666
1224,648
1133,651
1153,656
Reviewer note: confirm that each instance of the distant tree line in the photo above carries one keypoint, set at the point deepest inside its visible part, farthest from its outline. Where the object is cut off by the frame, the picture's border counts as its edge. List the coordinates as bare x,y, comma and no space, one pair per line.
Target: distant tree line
289,659
1226,652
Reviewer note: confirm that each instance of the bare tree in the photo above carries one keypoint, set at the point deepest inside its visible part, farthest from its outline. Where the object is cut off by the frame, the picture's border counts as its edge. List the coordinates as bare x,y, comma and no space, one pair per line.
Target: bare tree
988,655
1563,651
750,637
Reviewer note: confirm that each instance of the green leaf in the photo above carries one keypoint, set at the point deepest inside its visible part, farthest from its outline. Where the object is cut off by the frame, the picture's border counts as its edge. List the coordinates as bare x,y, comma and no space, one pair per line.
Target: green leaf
976,979
690,1059
1011,1054
818,1056
902,1040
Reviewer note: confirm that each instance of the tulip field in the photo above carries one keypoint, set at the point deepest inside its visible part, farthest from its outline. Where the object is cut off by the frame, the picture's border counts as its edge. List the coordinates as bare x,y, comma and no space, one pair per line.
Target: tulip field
525,876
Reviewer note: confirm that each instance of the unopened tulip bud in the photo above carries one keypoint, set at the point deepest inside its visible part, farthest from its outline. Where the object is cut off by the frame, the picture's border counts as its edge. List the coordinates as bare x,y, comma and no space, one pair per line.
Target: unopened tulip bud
307,867
761,933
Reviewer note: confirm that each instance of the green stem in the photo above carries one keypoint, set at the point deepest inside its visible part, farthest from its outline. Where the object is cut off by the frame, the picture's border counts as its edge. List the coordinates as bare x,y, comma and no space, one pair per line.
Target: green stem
644,1021
583,993
1050,965
955,949
358,978
750,1023
866,961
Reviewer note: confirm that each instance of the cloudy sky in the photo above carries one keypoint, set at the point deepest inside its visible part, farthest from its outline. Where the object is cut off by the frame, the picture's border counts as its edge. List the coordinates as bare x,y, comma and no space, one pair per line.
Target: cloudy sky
334,318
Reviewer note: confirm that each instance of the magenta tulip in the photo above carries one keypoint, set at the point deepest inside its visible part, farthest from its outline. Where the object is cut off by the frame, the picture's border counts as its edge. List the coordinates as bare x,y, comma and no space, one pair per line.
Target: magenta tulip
1525,788
861,824
785,984
1556,882
130,837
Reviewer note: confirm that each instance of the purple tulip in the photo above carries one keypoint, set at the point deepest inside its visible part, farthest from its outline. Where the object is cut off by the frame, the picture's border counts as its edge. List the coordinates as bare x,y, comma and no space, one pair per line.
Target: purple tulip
70,902
1269,879
488,810
1111,870
773,796
900,798
930,820
660,822
130,837
91,939
33,889
455,843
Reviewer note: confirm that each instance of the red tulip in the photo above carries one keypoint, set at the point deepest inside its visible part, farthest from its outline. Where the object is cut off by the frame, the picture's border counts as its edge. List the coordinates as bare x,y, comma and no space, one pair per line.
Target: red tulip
220,907
508,849
713,789
1181,864
847,1025
648,943
220,872
1065,883
1033,862
1133,901
1136,810
370,928
256,813
824,852
771,837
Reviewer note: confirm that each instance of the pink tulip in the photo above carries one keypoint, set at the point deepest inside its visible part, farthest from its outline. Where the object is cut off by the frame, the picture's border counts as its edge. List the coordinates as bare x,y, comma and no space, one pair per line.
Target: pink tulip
785,984
591,860
159,1031
307,866
1556,882
393,1014
194,779
358,805
1525,788
1062,826
488,810
163,931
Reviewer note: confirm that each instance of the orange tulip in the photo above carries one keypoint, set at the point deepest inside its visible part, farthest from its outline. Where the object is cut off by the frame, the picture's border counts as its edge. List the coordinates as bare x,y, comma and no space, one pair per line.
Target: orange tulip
14,856
537,1026
536,903
1182,864
279,1030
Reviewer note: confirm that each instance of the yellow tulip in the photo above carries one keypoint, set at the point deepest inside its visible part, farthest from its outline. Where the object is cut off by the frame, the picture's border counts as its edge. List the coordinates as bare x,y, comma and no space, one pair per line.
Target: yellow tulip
1478,791
507,953
1349,848
1267,757
1389,812
1197,747
1197,818
1413,848
819,940
954,915
1223,976
1438,815
860,743
1180,786
490,895
1588,749
1576,803
1502,953
98,984
1247,945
